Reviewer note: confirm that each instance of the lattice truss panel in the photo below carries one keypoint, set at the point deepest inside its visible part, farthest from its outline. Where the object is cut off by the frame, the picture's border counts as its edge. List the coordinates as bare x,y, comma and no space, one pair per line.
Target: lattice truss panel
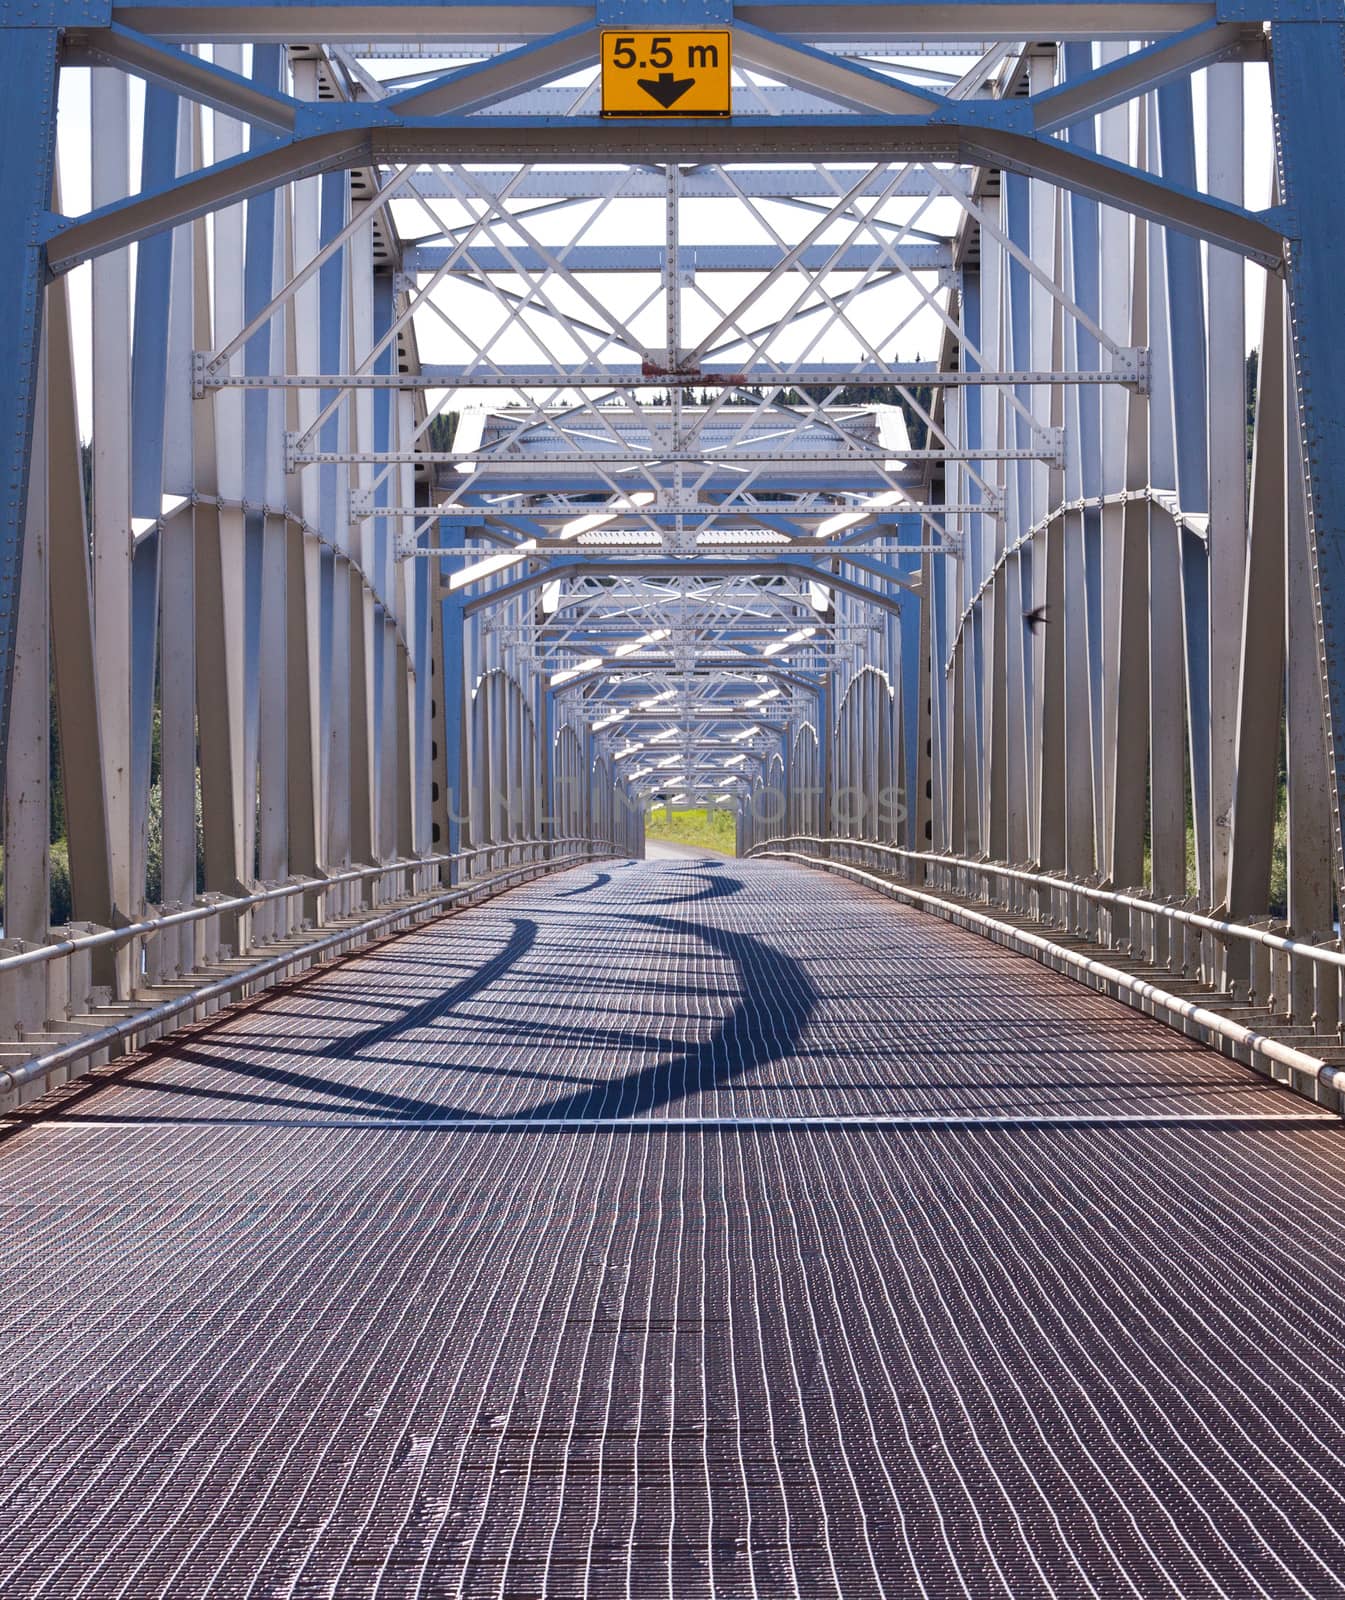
466,464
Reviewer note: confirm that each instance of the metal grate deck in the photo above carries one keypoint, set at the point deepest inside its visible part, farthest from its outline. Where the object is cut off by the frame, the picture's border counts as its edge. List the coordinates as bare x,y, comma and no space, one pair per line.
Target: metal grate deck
678,1230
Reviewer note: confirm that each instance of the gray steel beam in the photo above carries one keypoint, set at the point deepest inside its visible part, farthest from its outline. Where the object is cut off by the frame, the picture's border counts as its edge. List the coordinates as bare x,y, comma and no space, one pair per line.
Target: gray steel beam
27,160
72,241
1309,92
848,21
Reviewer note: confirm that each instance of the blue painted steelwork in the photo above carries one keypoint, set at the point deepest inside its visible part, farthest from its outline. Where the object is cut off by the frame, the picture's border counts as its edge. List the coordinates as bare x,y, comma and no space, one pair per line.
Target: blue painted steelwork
1309,91
1002,700
27,160
339,138
453,692
1186,345
1087,419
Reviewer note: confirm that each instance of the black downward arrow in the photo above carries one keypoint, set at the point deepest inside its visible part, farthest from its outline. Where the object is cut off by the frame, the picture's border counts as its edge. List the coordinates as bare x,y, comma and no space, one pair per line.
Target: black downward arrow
666,89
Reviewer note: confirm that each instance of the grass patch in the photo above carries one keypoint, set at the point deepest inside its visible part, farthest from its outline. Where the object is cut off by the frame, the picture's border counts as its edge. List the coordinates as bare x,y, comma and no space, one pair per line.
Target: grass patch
701,829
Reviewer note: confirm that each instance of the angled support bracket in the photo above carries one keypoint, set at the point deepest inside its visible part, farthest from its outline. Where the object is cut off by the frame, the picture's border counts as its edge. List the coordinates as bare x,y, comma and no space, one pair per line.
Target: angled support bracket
1133,363
1051,442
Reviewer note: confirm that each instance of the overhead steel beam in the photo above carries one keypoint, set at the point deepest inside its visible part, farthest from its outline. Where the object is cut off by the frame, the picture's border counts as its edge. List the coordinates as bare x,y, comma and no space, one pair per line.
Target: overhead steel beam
171,68
471,88
845,82
702,183
561,464
1146,69
70,241
793,566
918,256
499,21
433,376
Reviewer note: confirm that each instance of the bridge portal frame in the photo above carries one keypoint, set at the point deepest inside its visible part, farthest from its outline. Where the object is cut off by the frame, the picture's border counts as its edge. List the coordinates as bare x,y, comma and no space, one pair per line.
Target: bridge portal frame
1024,750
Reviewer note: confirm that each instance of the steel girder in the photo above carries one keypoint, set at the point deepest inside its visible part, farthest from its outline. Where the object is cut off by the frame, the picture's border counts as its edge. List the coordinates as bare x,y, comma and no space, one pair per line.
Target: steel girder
697,485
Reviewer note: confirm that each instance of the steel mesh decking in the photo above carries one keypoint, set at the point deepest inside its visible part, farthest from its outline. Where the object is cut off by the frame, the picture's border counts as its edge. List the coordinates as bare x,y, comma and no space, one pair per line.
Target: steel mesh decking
534,1254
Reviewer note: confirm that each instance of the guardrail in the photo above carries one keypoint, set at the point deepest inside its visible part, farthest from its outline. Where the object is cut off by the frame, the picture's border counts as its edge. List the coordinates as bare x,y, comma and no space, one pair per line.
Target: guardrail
103,990
1270,1000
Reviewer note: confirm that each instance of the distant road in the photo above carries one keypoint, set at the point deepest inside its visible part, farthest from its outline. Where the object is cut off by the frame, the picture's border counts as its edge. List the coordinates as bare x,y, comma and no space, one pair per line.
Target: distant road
666,850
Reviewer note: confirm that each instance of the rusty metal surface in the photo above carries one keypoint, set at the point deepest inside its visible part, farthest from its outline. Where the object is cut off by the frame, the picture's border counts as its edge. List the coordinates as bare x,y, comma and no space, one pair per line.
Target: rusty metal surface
534,1255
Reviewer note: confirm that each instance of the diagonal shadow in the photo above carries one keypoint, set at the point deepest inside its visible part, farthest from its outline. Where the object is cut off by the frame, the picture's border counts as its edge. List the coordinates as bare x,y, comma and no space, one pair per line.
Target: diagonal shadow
600,882
716,886
357,1096
521,941
776,999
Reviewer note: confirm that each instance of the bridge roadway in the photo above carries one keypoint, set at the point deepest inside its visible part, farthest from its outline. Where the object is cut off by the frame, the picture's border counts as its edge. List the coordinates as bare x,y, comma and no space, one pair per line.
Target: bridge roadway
675,1229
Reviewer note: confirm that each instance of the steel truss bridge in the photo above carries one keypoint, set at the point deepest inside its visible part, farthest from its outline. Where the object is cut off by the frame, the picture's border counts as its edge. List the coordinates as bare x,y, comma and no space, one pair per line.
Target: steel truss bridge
410,477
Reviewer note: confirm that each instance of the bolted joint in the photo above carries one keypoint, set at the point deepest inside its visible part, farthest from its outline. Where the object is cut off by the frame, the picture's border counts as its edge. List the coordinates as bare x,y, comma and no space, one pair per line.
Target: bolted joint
1134,367
1051,441
663,13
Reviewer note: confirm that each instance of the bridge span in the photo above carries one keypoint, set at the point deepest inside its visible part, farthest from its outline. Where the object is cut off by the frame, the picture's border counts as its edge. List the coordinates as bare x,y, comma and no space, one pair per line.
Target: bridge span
679,1228
436,435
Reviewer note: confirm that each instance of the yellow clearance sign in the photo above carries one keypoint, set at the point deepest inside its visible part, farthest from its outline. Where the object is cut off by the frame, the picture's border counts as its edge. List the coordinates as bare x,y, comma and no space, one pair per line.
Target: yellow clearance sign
647,74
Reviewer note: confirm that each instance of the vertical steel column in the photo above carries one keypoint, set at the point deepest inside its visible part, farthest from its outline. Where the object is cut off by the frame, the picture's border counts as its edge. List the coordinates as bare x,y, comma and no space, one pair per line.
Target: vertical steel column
149,401
454,722
1308,79
27,816
1225,288
1256,763
111,445
303,581
1168,750
970,719
71,602
1310,797
27,158
1045,644
1019,684
1189,379
1123,653
177,577
388,674
1083,529
1130,802
365,628
334,348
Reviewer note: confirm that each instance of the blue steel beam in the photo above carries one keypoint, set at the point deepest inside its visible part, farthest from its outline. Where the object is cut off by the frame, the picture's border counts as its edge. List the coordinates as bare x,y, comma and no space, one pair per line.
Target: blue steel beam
1309,96
149,400
171,68
336,137
693,258
1087,93
470,89
791,565
1085,261
502,21
1186,343
27,156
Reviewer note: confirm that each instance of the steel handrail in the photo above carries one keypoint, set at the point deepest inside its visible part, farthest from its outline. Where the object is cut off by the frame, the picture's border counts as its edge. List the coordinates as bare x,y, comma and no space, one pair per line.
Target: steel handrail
1190,1011
1114,897
115,937
123,1028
